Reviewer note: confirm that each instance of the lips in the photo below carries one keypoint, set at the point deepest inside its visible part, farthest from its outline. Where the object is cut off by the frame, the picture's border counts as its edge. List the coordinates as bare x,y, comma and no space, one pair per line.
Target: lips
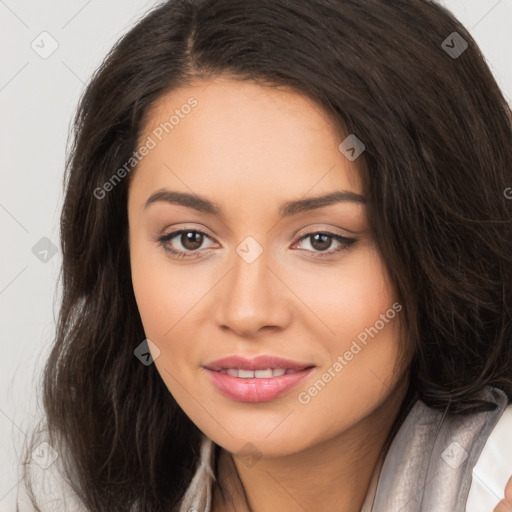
261,379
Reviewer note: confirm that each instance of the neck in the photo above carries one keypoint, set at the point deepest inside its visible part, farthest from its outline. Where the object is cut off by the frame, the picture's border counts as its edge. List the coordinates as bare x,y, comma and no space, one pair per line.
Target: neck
332,475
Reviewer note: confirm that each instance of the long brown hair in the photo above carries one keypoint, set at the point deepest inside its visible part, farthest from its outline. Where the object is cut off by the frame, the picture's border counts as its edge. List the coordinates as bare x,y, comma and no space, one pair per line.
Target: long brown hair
438,159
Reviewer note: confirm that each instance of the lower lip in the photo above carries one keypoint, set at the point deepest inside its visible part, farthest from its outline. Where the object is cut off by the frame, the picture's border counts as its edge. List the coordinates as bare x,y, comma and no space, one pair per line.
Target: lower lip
256,390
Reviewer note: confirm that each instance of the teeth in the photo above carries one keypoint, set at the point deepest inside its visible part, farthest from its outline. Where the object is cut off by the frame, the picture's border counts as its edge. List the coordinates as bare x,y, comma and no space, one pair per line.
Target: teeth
263,373
258,374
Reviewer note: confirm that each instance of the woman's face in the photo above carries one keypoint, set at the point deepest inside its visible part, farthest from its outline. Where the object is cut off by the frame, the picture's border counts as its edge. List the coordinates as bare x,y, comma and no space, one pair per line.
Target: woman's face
260,269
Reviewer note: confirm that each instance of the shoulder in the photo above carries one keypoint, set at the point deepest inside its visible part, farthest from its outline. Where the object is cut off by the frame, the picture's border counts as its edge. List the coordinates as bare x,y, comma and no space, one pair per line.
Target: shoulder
494,466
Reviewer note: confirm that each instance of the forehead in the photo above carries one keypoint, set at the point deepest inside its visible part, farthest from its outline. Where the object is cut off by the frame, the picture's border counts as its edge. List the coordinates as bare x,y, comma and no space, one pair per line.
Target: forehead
238,136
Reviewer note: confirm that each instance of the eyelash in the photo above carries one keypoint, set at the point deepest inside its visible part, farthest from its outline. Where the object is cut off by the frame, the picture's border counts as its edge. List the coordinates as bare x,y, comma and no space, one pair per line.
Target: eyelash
344,241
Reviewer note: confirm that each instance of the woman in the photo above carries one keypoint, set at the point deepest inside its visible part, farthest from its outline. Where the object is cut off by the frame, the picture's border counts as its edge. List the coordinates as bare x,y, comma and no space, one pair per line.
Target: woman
287,262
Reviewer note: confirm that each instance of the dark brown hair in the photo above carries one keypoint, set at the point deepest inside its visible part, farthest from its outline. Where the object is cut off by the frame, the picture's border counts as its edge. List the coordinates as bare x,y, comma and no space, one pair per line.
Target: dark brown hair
438,158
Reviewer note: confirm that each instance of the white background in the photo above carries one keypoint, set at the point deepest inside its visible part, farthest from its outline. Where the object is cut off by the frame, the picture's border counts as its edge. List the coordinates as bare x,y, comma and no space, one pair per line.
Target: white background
37,101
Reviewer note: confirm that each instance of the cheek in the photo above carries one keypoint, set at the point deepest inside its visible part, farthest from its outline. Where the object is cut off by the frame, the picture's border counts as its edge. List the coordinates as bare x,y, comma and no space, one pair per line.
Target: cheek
162,290
168,298
357,318
163,313
349,300
148,279
350,395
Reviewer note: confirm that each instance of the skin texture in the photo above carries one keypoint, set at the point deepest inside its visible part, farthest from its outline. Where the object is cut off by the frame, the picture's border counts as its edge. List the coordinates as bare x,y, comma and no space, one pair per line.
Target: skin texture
251,148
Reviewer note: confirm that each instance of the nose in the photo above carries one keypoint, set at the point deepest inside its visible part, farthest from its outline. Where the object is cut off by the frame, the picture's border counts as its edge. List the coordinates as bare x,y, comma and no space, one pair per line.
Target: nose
252,298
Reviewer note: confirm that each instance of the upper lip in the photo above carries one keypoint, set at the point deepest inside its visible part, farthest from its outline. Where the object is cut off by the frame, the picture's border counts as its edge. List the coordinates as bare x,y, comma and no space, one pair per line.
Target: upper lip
257,363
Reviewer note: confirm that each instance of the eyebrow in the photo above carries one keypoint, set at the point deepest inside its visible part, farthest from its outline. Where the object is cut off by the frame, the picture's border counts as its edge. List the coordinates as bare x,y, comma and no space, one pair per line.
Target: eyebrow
202,204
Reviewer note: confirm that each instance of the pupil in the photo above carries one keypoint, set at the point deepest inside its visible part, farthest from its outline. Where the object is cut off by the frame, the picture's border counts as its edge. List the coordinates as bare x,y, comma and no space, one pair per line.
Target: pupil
324,244
191,240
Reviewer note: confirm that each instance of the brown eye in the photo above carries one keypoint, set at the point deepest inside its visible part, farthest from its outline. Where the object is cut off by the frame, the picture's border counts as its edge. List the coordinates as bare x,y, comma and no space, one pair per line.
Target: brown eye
184,243
320,241
191,240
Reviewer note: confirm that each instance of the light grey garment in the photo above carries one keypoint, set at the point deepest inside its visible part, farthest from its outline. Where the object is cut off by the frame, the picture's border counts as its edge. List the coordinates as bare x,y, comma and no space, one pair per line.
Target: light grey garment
428,467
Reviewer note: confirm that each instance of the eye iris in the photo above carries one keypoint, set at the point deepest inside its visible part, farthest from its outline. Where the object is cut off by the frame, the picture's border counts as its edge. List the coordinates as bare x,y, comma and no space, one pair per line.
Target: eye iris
324,243
191,240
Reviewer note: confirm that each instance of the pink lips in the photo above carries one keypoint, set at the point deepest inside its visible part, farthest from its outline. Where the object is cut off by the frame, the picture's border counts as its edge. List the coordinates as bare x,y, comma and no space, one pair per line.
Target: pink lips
261,388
